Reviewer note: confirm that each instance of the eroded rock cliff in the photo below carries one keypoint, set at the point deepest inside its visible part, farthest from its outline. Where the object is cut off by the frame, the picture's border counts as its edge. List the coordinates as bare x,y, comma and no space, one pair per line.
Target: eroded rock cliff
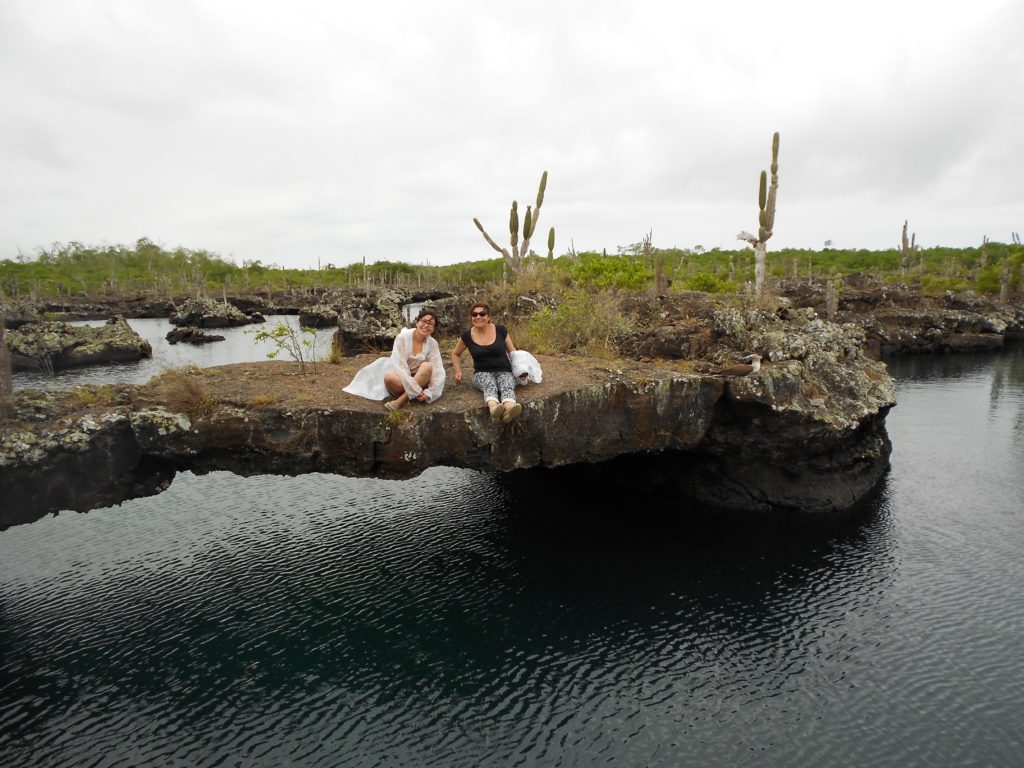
803,433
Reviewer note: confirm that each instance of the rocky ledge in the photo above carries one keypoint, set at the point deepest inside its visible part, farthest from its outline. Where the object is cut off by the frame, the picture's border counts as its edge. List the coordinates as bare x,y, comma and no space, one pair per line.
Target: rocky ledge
902,320
805,433
59,345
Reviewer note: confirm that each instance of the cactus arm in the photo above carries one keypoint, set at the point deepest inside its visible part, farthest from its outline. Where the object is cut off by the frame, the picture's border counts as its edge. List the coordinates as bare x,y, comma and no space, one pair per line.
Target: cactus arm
513,225
551,243
503,251
531,219
541,188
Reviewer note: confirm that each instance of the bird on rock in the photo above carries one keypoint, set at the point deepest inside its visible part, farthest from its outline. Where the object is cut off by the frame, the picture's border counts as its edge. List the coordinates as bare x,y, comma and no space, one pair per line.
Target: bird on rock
744,369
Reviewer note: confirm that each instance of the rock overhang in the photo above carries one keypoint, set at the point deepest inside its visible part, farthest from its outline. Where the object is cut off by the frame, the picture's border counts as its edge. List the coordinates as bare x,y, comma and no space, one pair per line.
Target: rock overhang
267,418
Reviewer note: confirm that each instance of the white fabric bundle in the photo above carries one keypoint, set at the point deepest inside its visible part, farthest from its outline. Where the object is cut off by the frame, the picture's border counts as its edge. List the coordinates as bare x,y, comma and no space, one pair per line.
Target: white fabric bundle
525,363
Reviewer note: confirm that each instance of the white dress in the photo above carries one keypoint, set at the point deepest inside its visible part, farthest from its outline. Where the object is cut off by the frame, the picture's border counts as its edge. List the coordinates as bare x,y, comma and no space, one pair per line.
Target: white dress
369,380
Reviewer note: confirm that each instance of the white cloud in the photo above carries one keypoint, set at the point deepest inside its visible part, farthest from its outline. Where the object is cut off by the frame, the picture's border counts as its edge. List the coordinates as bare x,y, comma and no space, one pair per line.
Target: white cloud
319,130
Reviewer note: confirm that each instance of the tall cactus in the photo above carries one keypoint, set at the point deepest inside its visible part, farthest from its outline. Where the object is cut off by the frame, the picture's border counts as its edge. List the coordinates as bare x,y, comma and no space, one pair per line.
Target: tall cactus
766,217
907,249
516,253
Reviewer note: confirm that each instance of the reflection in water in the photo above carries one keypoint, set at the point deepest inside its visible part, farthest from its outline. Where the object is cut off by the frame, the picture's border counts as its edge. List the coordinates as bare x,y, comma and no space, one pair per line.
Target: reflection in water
521,622
468,619
1007,386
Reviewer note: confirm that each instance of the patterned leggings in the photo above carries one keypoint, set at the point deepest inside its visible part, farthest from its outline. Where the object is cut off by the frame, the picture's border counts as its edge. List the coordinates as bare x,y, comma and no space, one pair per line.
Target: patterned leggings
491,383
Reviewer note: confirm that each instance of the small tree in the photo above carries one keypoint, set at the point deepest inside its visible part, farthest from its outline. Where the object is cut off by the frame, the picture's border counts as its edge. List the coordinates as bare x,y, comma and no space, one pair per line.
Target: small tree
514,258
766,218
300,344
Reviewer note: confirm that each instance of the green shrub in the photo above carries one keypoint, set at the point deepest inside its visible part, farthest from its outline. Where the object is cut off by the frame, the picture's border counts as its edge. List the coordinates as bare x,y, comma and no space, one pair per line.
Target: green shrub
936,284
594,271
988,279
582,323
709,283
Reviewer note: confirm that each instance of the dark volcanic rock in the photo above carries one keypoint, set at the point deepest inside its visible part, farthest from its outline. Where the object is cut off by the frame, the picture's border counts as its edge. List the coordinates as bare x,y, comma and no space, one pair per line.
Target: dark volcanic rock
190,335
91,462
899,320
318,316
368,319
64,346
802,434
686,341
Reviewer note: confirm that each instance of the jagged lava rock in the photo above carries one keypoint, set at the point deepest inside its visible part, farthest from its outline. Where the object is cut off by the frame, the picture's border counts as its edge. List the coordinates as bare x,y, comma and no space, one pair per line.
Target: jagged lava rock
65,346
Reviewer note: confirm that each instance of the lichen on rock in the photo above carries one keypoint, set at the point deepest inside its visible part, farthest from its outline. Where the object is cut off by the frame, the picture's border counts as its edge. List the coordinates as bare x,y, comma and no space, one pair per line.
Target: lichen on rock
62,345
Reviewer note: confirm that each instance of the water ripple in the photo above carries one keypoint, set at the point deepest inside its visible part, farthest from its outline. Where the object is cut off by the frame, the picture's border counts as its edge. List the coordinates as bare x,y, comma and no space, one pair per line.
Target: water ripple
452,620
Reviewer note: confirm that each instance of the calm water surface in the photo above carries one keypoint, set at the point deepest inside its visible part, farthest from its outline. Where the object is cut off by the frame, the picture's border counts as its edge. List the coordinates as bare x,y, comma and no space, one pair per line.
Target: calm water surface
464,619
238,346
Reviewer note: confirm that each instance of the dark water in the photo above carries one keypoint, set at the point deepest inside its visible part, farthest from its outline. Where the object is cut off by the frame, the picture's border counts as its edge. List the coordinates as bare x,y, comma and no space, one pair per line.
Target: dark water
461,619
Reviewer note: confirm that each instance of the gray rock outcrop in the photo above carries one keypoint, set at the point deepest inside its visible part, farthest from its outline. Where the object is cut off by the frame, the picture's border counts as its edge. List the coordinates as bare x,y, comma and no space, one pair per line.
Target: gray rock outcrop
209,313
60,345
19,313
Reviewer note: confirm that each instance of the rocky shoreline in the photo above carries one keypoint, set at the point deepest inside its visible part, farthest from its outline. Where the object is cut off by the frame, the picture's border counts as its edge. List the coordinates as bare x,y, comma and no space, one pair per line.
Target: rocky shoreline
806,433
897,319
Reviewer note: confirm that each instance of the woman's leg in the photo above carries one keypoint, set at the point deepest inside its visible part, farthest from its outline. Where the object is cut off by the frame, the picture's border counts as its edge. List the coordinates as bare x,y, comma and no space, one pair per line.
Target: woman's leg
507,389
423,374
394,384
487,383
506,386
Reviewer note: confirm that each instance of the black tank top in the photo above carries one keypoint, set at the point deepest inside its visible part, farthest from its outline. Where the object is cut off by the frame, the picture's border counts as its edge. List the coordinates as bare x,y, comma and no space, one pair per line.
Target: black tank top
493,357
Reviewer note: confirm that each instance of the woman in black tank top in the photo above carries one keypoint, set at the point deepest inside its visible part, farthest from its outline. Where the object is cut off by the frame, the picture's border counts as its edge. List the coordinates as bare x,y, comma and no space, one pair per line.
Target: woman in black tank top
489,345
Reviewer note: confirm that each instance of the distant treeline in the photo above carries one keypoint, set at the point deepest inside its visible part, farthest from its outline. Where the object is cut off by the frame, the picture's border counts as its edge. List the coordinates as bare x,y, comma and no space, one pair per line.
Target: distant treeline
74,268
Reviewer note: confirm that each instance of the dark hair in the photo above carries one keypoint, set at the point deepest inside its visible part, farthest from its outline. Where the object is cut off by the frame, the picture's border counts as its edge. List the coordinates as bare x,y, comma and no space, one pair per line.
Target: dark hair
427,312
481,305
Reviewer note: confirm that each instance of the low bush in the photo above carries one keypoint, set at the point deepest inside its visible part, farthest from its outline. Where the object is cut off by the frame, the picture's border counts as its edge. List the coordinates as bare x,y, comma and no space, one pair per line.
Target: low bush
582,323
709,283
181,390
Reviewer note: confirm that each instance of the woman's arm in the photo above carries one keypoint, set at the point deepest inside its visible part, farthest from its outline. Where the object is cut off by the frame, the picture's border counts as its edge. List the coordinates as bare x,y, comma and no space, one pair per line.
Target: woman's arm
509,346
460,347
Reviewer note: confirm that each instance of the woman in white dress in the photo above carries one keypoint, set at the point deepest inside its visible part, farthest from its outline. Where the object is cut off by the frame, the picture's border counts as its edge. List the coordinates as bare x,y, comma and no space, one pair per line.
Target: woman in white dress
414,371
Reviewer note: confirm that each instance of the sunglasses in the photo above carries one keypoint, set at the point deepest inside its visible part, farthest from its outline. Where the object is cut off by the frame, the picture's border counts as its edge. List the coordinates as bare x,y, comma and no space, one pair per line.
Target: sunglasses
478,314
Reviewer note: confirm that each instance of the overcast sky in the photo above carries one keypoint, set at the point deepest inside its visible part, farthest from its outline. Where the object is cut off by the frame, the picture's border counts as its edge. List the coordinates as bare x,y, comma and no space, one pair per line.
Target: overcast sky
295,131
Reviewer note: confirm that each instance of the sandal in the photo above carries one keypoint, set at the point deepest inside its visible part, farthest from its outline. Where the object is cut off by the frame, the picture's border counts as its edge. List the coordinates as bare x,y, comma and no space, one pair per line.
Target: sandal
390,405
496,411
512,411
